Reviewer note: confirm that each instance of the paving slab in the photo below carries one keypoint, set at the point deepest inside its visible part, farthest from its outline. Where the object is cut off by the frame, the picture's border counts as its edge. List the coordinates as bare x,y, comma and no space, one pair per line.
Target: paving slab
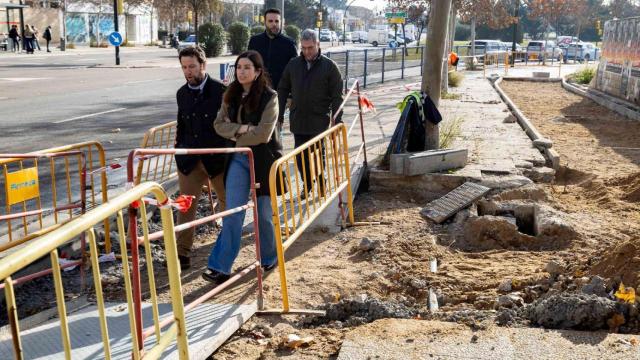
419,339
209,325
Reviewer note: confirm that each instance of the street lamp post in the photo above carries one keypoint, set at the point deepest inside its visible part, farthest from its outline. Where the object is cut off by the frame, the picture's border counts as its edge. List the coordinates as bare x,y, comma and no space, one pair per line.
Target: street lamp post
344,22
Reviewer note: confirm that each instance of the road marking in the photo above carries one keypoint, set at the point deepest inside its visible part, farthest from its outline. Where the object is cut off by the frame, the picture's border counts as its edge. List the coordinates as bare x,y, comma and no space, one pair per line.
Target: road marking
141,81
88,116
22,79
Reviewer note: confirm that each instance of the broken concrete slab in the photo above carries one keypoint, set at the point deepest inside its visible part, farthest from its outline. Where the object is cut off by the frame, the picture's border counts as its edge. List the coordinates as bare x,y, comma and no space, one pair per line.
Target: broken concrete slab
434,161
540,174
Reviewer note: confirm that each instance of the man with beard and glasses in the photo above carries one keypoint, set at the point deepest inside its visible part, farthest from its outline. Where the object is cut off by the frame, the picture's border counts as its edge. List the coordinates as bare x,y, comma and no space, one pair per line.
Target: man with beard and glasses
276,49
198,103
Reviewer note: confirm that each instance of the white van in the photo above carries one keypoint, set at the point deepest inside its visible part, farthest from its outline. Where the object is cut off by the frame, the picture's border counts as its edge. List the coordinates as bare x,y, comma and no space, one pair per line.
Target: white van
359,37
377,37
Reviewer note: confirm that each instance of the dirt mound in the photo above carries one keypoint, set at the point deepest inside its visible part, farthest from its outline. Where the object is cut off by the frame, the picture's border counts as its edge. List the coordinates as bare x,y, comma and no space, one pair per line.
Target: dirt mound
568,176
630,187
621,263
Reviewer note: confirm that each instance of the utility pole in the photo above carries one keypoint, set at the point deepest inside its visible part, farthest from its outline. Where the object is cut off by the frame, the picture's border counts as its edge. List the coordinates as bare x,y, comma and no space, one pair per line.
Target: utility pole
115,28
433,62
282,13
515,34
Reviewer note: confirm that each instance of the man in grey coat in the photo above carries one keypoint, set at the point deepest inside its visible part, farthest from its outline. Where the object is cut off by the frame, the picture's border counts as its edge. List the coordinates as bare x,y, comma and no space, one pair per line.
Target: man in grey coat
315,85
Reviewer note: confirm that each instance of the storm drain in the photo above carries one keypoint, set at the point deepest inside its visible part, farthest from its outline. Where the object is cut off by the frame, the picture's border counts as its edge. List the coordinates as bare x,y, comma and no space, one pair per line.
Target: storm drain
459,198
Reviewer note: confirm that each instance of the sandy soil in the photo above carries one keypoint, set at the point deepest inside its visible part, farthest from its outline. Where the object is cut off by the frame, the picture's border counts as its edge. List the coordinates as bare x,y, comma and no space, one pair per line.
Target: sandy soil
597,189
599,183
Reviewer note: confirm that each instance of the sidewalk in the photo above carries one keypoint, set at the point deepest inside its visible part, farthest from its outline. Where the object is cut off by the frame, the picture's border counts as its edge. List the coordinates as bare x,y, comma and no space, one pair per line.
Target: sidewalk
497,144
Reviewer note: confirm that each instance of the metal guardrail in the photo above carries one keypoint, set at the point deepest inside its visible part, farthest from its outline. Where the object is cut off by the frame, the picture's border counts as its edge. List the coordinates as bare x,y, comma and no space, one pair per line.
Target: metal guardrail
368,66
527,56
48,245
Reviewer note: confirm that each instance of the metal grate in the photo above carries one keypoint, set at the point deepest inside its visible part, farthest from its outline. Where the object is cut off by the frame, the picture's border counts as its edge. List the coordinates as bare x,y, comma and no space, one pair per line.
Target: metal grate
459,198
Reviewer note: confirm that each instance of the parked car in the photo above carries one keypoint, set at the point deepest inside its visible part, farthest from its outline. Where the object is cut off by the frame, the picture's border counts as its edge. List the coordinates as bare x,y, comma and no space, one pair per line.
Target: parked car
395,41
189,41
581,51
564,41
359,37
537,49
490,47
346,37
325,35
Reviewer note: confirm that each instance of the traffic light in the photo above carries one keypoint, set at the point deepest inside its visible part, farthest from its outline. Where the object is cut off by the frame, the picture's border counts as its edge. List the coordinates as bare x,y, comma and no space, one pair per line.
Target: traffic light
598,25
120,7
190,16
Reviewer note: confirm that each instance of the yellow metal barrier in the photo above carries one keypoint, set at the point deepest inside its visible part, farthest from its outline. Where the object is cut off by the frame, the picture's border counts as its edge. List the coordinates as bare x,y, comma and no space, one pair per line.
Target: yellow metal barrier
59,193
48,244
326,159
160,168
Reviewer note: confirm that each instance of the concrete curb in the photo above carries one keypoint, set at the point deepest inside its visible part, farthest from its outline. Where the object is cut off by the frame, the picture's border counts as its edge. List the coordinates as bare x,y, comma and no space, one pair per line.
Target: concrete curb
550,154
618,105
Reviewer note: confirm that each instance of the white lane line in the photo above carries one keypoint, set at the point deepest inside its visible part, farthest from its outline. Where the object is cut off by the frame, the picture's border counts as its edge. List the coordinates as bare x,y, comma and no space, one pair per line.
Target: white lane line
88,116
18,79
141,81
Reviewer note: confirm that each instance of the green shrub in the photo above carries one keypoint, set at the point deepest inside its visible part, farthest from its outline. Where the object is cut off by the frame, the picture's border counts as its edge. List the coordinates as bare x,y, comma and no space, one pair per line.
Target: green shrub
238,37
584,76
293,32
455,78
212,39
258,29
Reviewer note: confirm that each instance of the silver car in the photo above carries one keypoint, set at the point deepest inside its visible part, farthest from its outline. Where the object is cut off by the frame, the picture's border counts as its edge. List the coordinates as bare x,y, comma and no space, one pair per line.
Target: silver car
189,41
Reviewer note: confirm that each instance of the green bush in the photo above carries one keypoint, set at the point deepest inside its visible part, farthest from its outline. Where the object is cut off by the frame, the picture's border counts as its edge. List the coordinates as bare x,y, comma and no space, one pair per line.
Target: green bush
455,78
584,76
258,29
238,37
212,39
293,32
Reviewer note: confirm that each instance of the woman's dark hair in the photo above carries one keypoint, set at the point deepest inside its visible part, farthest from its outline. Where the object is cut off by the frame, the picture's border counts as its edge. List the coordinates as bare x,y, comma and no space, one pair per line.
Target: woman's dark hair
233,95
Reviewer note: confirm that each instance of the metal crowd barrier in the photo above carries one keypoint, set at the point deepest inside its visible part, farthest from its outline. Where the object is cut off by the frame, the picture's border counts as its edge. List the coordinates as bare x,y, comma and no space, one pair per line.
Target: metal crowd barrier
26,206
328,164
48,244
145,240
161,168
158,168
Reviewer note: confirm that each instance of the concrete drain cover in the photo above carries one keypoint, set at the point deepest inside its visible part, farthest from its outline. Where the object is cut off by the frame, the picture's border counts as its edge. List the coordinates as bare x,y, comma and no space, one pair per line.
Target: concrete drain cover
459,198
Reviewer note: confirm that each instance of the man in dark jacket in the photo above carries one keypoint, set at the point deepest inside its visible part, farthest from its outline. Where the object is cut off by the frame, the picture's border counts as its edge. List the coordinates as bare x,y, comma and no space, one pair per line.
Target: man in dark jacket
315,84
198,103
276,49
47,36
15,38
